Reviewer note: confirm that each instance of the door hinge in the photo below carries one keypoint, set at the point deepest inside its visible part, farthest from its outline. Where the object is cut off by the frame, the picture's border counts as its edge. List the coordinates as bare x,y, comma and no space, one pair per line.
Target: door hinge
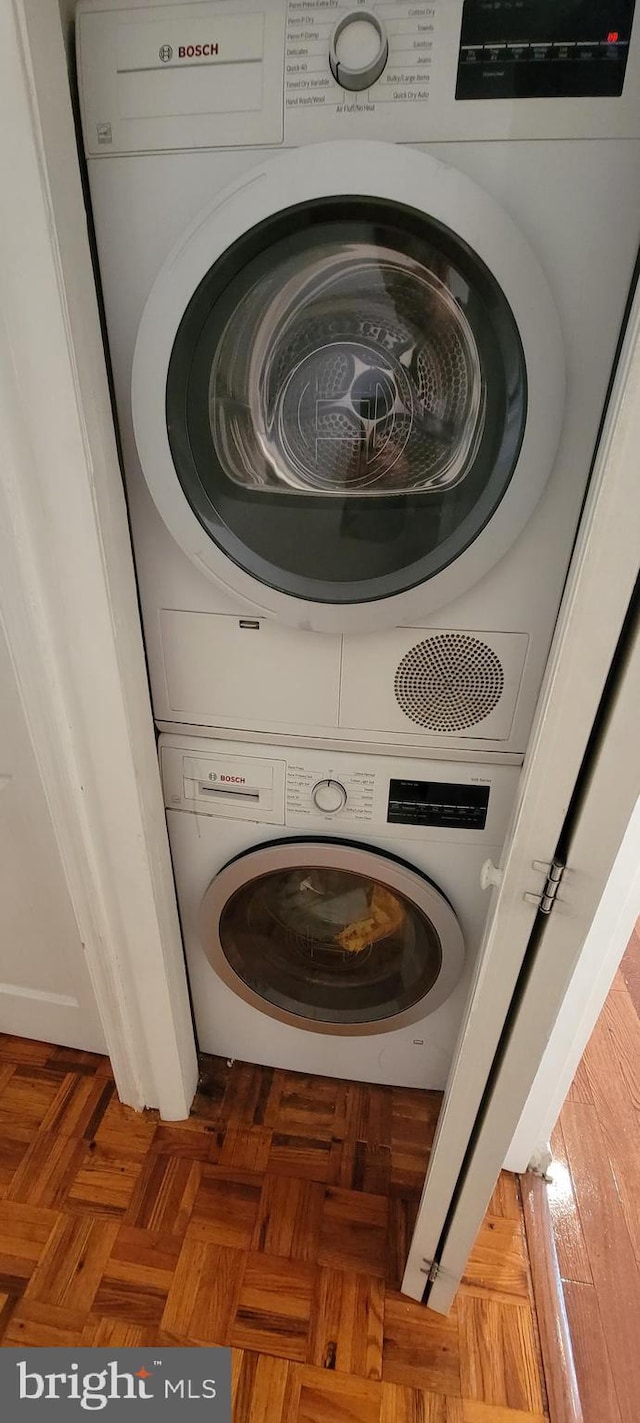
431,1269
553,877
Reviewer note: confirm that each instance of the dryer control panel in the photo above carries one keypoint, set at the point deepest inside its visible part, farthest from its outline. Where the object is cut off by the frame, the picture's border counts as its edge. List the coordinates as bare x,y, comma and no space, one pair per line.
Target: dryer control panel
406,70
542,49
382,54
264,73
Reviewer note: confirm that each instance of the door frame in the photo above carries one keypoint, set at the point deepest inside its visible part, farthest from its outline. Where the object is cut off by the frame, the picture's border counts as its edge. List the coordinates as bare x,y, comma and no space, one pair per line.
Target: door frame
67,588
68,596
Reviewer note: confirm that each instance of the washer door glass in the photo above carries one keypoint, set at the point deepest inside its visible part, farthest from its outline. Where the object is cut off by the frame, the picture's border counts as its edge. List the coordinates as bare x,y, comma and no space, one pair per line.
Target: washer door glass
329,944
346,399
332,936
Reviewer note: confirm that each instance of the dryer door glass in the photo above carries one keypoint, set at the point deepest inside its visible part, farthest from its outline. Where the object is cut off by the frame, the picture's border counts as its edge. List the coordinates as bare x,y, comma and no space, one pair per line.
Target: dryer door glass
346,400
319,942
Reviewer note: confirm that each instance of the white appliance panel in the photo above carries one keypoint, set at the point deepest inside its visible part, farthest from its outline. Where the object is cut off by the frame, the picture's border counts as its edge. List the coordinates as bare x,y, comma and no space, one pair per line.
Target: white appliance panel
453,448
164,77
290,45
576,202
217,666
448,682
418,1054
293,776
522,593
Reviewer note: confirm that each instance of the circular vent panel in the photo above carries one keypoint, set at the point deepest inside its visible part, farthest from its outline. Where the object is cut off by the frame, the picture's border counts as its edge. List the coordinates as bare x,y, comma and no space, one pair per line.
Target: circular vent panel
449,683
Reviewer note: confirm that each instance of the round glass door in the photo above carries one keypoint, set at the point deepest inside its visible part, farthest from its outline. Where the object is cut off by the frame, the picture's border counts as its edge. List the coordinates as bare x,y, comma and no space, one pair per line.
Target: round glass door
346,399
332,937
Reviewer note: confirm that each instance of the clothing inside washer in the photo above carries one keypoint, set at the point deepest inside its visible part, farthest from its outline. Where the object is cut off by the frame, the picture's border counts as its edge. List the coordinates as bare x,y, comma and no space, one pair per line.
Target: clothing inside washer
330,944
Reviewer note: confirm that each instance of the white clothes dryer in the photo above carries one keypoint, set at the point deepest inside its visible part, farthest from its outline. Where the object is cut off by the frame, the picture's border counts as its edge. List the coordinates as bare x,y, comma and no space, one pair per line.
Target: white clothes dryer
364,274
331,897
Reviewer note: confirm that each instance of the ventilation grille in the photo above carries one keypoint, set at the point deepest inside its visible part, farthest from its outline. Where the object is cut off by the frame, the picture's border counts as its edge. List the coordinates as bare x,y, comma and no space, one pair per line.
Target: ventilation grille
449,682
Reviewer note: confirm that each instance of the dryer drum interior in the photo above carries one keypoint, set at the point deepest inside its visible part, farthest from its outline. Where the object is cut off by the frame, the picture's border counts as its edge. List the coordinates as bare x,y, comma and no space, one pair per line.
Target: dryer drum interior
353,370
346,399
332,936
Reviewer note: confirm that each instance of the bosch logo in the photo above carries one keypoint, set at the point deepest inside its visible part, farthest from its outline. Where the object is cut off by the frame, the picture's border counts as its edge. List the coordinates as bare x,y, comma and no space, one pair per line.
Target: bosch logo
196,51
166,53
236,780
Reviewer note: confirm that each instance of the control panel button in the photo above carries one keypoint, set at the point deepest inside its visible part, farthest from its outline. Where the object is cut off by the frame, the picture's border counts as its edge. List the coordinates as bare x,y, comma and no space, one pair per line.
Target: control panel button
329,796
359,50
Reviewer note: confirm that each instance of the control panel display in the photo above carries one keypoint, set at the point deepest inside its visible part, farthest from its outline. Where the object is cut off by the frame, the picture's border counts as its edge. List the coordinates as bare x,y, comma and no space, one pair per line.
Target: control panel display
535,49
447,805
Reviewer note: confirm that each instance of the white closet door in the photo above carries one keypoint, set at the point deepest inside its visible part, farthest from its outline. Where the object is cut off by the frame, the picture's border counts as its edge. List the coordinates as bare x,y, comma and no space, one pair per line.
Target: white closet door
491,1077
609,792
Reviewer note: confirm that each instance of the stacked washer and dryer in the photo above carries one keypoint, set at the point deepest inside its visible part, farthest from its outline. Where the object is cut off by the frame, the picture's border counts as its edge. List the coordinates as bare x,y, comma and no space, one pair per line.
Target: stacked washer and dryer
364,274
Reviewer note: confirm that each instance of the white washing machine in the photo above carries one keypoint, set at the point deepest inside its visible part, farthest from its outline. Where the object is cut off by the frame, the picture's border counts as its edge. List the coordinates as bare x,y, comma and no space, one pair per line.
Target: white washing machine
364,275
331,895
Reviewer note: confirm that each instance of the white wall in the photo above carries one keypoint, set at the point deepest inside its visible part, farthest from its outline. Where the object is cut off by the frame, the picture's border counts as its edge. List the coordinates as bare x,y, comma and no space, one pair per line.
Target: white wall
45,989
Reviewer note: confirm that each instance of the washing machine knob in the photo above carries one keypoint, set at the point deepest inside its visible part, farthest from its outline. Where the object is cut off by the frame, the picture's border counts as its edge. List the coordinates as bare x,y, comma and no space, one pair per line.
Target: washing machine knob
329,796
359,50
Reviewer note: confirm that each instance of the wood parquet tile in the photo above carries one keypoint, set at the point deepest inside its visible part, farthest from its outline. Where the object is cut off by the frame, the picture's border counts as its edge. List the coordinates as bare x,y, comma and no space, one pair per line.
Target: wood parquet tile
354,1231
498,1354
273,1315
289,1219
137,1276
42,1178
73,1262
165,1194
305,1157
505,1200
347,1323
32,1322
264,1389
421,1350
326,1397
24,1234
226,1207
498,1266
410,1405
276,1220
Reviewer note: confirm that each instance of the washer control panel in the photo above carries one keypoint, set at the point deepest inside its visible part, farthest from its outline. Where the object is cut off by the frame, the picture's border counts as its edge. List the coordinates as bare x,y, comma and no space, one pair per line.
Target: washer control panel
318,791
452,805
344,794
